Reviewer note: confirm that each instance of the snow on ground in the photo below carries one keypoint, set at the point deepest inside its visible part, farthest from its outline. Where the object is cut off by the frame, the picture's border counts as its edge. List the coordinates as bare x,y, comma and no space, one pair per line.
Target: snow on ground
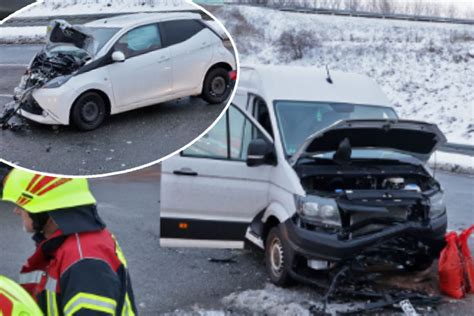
452,162
424,68
67,7
22,35
271,300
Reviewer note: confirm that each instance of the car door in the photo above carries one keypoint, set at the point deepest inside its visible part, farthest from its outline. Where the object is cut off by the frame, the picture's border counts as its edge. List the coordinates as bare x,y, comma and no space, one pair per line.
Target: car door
209,195
145,75
191,46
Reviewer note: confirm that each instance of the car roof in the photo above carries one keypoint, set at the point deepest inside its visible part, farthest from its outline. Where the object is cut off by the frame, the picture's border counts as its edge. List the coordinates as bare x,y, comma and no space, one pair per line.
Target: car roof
142,18
309,83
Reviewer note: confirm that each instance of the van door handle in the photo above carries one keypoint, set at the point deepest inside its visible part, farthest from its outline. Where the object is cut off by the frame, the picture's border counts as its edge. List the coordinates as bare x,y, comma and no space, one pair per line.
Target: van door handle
185,172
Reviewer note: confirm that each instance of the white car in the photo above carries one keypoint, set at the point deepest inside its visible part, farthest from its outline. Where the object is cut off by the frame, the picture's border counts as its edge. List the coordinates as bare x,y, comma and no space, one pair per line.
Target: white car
122,63
315,169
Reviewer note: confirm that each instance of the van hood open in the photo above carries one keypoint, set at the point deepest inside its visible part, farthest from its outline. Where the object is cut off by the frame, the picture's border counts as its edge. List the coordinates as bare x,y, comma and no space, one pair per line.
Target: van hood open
60,31
414,138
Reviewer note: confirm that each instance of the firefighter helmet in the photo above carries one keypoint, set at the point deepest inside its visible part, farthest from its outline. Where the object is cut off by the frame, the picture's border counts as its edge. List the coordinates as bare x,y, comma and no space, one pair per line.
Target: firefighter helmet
37,193
14,300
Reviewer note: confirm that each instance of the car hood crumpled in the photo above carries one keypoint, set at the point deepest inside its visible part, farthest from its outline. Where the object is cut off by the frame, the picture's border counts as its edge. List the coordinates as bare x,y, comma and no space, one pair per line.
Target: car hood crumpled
60,31
418,139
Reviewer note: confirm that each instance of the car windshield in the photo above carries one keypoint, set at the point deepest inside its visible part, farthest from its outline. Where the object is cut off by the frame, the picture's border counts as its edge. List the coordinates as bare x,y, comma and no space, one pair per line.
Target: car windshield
297,120
101,36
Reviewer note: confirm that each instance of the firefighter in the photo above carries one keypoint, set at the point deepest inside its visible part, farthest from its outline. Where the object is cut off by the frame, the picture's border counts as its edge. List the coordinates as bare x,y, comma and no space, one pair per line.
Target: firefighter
78,267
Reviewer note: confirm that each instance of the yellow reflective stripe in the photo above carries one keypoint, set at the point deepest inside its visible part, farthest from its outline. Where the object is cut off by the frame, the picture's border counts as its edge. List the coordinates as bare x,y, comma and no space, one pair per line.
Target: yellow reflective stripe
127,307
52,305
91,302
119,253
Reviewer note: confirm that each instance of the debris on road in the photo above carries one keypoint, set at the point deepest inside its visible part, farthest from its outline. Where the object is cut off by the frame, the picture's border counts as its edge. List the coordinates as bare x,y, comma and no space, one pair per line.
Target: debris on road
223,260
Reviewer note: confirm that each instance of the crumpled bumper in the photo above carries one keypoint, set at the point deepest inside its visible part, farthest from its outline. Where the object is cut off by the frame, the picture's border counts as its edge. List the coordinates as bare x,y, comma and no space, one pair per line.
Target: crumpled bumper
319,245
49,106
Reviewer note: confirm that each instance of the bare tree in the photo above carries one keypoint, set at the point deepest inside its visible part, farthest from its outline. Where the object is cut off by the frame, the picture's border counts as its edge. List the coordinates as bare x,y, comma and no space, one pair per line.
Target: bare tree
353,5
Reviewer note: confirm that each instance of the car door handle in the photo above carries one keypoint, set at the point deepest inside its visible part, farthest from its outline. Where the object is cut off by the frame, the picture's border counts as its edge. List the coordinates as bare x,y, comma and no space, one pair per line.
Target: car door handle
185,172
163,59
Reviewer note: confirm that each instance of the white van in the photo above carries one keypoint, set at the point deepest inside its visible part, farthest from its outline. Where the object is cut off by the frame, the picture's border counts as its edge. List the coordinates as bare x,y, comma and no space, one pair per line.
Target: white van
315,169
109,66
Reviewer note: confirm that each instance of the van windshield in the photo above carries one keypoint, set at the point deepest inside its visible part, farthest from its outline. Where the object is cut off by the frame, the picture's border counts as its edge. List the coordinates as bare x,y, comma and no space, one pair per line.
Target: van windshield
297,120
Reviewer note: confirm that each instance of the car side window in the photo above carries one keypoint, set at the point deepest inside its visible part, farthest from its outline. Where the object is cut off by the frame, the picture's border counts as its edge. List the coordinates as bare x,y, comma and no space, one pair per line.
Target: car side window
140,40
211,145
178,31
242,132
260,113
228,139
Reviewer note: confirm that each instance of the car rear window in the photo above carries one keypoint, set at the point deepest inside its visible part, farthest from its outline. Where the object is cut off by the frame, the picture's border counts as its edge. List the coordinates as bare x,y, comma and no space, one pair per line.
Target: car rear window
178,31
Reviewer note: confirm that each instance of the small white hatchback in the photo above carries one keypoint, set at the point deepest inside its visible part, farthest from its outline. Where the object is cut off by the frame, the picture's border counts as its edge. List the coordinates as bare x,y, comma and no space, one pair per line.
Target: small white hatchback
113,65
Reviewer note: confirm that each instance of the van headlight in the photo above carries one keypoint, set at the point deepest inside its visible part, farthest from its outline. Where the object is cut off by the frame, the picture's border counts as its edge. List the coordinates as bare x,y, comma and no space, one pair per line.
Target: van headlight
437,205
57,82
318,210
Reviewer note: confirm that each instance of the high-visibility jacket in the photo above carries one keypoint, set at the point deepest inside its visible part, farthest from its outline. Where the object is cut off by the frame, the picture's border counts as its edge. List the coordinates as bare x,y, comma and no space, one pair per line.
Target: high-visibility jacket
79,274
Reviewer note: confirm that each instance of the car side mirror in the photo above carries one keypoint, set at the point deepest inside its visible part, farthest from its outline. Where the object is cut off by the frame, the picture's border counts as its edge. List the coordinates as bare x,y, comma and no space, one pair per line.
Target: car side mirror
260,152
118,57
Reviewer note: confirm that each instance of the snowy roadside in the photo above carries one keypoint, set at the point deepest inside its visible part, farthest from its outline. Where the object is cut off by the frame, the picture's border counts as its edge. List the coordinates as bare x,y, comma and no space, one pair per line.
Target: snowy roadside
73,7
455,163
23,35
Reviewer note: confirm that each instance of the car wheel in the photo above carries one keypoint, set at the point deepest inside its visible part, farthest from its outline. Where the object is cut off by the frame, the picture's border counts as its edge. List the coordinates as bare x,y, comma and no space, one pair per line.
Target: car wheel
89,111
276,258
216,88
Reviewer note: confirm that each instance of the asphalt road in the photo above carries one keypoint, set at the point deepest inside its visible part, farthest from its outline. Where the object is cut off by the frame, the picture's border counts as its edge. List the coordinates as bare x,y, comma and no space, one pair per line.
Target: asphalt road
125,141
166,280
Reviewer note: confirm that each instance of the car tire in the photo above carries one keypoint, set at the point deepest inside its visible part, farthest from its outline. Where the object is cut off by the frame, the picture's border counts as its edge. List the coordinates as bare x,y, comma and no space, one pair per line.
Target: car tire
276,258
89,111
216,88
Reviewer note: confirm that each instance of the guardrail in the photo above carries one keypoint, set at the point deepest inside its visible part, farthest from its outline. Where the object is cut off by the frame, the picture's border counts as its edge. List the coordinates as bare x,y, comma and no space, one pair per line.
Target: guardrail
458,149
363,14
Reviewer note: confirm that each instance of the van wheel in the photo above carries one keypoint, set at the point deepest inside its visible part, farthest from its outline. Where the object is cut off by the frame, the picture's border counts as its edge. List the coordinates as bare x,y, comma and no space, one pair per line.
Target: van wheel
276,258
216,87
89,111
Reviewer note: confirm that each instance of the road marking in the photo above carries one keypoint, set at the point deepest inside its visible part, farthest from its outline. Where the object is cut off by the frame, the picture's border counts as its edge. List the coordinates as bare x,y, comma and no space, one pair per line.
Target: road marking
6,95
14,65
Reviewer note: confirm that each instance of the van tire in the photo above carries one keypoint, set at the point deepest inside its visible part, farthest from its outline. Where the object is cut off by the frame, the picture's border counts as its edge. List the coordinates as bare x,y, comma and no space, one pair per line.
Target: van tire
216,88
276,258
89,111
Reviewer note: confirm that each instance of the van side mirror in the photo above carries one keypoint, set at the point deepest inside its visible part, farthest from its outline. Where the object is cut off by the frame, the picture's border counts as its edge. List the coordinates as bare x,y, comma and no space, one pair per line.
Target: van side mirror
118,57
260,152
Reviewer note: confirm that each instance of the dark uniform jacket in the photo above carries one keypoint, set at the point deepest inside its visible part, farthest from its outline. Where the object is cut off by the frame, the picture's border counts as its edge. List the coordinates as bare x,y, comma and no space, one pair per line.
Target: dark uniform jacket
80,269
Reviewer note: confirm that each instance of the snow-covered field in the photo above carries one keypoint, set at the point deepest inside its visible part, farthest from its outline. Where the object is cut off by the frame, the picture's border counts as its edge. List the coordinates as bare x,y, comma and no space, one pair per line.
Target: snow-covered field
426,69
22,35
68,7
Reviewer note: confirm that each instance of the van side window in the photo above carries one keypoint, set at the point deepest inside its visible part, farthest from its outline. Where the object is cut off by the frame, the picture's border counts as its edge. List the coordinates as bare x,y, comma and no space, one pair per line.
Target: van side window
260,113
211,145
242,132
178,31
140,40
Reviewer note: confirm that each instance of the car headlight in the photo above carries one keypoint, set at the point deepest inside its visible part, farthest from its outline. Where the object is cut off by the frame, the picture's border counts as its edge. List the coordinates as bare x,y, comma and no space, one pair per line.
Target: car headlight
318,210
57,82
437,205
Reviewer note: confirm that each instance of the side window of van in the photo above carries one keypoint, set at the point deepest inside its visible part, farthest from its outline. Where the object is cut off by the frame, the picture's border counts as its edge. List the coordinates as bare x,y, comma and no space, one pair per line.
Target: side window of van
228,139
211,145
139,41
242,132
178,31
260,113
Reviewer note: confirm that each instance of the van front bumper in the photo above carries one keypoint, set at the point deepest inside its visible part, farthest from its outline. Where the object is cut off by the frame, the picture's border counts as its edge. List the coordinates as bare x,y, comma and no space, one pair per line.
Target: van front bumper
321,245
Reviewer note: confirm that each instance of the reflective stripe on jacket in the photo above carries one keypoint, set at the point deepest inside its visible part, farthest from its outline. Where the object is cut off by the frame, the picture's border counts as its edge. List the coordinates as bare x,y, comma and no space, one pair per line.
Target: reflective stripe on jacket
79,274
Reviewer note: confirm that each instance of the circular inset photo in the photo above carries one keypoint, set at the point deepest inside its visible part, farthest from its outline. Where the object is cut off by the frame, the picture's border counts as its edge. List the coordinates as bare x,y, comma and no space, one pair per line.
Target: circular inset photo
93,88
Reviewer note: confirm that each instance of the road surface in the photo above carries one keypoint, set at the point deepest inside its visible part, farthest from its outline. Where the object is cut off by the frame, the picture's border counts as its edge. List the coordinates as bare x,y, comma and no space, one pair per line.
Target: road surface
126,140
166,280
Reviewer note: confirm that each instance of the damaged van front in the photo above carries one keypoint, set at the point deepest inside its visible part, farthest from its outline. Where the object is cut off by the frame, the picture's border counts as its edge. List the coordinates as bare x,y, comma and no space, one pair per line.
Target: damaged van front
317,171
369,199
